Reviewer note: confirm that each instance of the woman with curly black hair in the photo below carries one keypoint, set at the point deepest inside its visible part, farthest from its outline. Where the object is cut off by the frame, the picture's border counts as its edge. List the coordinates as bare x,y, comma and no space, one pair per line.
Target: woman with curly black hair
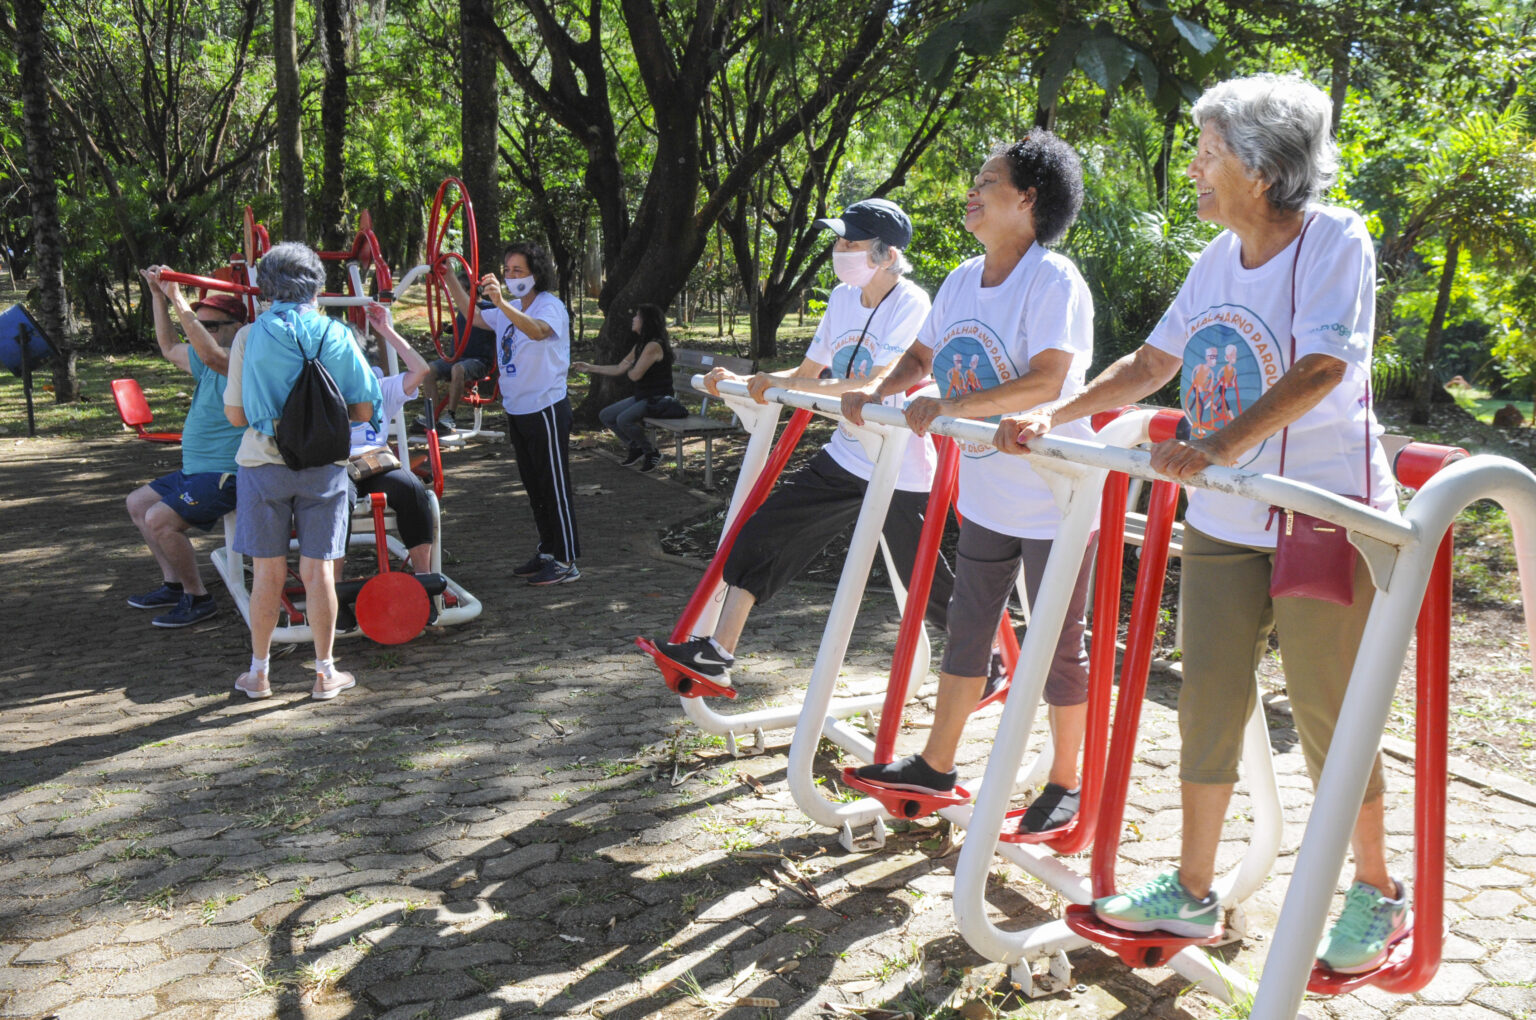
1010,329
533,354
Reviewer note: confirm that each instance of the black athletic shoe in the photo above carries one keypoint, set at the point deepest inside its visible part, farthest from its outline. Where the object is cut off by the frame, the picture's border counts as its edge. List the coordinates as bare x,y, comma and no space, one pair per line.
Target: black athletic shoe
651,460
635,456
1054,808
533,566
996,676
699,656
912,774
164,597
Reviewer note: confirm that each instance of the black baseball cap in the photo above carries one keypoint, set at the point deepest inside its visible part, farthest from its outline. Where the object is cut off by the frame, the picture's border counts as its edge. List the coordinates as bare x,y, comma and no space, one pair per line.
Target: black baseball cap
873,217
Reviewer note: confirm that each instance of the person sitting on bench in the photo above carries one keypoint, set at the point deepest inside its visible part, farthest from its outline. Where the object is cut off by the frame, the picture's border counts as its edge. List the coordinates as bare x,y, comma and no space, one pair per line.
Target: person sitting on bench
871,319
649,366
203,491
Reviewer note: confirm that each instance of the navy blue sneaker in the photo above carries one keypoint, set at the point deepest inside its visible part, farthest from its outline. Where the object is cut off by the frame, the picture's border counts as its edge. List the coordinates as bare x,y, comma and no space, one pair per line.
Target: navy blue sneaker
533,566
189,610
161,598
555,572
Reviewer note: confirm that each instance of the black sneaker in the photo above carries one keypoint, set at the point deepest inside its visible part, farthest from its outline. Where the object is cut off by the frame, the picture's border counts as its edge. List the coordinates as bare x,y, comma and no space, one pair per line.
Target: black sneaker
912,774
635,456
650,462
699,656
996,676
555,572
1054,808
189,609
533,566
163,597
447,426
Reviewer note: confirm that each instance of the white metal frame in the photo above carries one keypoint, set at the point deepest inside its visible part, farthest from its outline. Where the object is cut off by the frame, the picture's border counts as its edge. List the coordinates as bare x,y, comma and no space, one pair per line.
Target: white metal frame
761,422
1399,551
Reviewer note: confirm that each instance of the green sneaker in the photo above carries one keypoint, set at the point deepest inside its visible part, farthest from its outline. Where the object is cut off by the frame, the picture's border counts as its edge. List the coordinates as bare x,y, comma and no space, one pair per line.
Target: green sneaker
1366,929
1162,904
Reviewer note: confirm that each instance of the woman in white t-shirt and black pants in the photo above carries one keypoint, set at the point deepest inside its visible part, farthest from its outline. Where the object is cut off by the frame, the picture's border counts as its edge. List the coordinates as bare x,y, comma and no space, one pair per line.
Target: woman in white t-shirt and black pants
533,355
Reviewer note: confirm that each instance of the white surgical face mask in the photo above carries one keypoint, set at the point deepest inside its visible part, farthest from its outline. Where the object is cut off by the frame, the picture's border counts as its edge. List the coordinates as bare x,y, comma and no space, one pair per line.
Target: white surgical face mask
518,286
853,267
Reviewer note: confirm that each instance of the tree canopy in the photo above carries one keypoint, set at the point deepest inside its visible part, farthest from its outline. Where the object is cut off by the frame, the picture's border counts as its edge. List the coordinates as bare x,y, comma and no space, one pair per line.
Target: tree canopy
679,153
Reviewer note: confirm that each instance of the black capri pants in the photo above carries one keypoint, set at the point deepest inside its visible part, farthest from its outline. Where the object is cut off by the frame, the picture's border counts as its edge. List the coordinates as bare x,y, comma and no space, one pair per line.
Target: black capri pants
809,509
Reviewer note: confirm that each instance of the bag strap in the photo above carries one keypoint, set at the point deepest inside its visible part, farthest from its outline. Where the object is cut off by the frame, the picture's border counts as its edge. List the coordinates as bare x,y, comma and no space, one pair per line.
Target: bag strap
1295,259
1286,432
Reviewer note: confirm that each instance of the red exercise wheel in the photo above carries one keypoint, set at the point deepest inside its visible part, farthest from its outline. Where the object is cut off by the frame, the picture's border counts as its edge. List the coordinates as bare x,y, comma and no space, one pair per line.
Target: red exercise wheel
393,608
439,303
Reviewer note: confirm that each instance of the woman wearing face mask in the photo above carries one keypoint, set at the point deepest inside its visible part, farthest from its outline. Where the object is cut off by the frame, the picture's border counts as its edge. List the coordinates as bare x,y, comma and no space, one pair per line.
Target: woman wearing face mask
1018,320
533,354
649,366
871,318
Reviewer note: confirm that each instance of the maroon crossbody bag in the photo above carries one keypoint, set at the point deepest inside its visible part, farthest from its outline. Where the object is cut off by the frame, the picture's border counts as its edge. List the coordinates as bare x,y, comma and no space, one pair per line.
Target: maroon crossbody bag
1313,557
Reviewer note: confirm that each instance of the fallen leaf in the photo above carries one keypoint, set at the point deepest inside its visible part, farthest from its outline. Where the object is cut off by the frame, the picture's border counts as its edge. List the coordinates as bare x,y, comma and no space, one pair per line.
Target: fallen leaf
860,987
573,938
787,966
755,783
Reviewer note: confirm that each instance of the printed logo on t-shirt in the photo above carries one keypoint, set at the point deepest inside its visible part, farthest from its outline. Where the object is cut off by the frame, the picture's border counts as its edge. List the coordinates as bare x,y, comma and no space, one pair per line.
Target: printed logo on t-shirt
508,349
970,357
1230,359
852,359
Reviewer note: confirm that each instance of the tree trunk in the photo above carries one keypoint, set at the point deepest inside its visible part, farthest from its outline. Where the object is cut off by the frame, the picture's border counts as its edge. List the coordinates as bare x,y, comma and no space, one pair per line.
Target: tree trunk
47,238
477,129
1427,381
333,125
1160,171
290,140
1338,86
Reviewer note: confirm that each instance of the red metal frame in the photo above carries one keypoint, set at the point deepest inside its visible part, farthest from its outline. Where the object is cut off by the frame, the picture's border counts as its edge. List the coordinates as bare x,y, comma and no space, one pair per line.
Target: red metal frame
1136,949
689,686
438,299
1412,961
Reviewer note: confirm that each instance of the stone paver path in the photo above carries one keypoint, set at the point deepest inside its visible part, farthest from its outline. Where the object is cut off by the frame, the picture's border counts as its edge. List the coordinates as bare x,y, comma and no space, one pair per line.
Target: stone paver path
515,819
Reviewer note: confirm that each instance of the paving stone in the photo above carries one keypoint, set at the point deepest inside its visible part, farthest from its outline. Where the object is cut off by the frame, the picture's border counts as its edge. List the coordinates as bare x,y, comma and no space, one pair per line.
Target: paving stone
204,989
55,949
1452,984
109,1009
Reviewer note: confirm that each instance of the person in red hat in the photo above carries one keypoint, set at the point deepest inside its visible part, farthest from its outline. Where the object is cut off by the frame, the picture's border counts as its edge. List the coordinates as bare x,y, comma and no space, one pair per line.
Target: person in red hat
203,491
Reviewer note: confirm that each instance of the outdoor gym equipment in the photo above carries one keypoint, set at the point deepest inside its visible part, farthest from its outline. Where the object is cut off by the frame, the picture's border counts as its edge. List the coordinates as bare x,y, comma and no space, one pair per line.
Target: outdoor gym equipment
1401,553
454,214
134,410
385,610
761,466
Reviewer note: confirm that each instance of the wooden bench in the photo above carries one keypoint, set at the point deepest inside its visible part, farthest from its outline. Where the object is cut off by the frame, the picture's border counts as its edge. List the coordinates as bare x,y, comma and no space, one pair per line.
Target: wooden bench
685,365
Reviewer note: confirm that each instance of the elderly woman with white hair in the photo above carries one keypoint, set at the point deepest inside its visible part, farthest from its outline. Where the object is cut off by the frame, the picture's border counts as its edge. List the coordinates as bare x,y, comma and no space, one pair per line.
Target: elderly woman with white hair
273,500
1291,285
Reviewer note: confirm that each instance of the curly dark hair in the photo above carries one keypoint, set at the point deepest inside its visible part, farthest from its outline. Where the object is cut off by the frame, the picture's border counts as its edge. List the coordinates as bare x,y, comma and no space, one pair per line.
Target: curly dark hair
539,263
1049,165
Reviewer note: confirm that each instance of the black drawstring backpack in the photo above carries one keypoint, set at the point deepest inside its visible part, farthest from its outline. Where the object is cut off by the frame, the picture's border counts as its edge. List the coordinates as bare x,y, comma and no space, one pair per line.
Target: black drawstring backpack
314,428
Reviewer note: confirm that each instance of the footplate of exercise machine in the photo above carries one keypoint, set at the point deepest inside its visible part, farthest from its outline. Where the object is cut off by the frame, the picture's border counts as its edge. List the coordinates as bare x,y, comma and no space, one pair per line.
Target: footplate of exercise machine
680,679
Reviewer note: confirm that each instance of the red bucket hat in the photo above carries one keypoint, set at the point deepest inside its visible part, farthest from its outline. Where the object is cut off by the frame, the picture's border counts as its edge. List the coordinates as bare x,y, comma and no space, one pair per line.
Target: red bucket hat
230,304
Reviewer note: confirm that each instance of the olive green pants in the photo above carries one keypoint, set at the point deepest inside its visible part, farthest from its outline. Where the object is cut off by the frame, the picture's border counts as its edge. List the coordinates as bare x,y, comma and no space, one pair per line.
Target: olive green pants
1228,614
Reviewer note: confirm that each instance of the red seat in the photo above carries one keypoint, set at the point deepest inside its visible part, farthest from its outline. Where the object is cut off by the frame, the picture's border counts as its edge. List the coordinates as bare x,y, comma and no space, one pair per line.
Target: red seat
134,410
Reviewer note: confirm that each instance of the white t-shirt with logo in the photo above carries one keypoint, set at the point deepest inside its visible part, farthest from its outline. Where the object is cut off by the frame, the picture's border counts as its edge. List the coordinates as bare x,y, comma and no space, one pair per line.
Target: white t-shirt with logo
532,371
982,337
1232,329
364,436
891,331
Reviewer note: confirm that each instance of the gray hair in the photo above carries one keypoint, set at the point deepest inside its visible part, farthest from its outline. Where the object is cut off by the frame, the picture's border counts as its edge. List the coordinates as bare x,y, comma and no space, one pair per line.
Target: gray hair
1278,128
291,272
879,251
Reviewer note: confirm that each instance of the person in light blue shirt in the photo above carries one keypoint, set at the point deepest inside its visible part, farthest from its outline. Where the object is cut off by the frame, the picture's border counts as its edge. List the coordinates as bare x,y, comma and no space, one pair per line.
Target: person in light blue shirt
274,500
203,491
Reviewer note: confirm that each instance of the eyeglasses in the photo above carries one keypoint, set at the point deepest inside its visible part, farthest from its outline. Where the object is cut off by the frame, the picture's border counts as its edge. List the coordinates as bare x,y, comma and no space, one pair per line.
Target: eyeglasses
217,323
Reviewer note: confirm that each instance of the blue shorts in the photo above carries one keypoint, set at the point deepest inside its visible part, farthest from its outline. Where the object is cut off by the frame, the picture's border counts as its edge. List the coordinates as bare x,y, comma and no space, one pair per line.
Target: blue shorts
275,502
200,499
474,368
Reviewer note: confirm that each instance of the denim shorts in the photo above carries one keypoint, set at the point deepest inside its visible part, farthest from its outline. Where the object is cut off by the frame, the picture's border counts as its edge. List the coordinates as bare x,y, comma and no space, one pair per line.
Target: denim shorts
275,502
200,499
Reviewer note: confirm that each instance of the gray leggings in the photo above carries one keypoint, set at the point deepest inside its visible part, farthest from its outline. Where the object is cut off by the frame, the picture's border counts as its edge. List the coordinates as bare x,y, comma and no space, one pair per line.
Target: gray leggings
986,568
